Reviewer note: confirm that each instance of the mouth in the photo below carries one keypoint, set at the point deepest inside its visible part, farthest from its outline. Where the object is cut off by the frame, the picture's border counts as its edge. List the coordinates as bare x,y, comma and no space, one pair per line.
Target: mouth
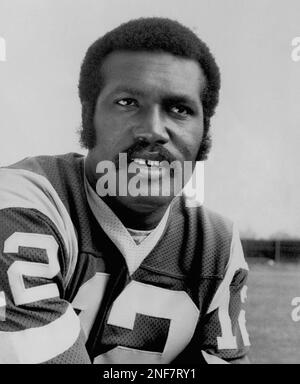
155,161
155,167
147,162
149,159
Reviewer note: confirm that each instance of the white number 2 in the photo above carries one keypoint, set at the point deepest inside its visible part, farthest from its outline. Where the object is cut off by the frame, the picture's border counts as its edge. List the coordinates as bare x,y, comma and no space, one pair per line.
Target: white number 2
160,303
18,269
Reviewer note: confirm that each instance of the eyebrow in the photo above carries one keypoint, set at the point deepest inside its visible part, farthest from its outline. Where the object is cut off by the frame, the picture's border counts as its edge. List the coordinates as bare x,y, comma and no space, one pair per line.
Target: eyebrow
167,98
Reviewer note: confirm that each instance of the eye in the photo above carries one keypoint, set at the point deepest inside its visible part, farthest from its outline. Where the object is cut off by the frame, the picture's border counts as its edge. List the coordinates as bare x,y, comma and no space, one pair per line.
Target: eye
181,110
127,102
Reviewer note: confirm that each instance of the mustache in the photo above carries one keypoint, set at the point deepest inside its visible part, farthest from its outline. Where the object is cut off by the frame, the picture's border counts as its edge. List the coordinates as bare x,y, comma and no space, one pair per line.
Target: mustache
140,146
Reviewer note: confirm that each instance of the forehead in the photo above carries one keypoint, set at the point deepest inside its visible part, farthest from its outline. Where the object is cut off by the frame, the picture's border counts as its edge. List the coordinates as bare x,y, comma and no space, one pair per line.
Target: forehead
152,72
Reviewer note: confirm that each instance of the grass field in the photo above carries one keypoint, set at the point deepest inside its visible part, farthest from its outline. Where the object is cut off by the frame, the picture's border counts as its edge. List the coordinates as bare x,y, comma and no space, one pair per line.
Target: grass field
274,336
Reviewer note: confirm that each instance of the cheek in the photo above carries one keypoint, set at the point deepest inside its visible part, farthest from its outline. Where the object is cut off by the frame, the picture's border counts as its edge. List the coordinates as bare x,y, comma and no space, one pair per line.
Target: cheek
197,135
107,129
112,136
190,141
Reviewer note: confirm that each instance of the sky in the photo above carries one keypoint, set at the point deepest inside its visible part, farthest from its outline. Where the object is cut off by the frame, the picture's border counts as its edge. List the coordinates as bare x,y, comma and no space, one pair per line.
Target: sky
252,172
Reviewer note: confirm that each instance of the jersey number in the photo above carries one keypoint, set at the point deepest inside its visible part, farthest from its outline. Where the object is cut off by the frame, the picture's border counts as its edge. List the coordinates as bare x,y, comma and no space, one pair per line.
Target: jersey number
18,269
160,303
228,340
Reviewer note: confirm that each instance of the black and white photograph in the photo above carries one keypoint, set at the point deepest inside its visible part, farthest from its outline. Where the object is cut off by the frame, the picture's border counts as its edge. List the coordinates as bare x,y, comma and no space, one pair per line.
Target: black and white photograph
149,189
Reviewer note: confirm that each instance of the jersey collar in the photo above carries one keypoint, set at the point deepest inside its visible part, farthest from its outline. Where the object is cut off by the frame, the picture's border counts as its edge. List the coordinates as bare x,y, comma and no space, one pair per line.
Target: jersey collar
133,253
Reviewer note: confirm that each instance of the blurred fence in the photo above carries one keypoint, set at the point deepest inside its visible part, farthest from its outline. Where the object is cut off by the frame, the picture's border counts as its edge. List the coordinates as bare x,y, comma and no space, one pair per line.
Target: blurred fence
277,250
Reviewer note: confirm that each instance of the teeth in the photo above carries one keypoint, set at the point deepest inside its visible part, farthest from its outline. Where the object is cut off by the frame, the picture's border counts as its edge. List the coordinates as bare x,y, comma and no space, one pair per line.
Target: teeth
153,163
150,163
140,161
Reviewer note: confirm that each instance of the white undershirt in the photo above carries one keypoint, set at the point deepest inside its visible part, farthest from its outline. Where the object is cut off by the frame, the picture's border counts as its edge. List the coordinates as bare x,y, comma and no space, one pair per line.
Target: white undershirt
138,235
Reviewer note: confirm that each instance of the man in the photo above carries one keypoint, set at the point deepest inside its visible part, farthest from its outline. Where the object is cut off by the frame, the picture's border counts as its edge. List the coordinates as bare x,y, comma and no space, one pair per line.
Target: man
125,277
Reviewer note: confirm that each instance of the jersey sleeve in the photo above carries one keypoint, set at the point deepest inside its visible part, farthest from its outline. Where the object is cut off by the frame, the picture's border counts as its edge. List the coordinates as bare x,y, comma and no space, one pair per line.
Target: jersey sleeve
223,334
37,325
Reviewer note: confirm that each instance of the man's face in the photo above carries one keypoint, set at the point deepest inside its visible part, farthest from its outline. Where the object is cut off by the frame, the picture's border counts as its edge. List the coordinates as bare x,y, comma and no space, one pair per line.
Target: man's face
150,108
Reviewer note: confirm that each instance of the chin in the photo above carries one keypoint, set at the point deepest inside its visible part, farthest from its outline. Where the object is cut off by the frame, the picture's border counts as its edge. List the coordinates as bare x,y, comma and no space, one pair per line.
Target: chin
144,203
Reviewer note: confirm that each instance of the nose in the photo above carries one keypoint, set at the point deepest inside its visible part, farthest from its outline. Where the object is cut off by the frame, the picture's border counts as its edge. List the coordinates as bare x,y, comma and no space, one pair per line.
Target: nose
152,127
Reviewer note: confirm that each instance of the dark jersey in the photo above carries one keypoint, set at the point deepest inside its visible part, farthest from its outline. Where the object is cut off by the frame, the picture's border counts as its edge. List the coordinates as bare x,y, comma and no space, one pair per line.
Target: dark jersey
72,288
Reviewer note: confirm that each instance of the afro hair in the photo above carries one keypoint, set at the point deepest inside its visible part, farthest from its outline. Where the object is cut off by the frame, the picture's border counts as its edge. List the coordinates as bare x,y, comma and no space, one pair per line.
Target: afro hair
147,34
